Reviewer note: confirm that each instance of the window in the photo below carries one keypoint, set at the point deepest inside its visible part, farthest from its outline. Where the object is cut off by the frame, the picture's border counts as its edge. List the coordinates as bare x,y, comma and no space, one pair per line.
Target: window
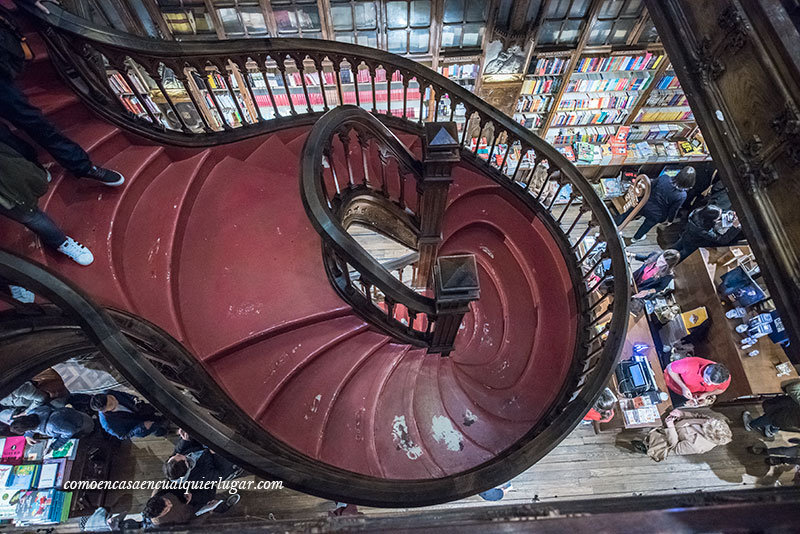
241,18
297,18
187,18
355,22
408,26
563,21
649,33
615,22
464,22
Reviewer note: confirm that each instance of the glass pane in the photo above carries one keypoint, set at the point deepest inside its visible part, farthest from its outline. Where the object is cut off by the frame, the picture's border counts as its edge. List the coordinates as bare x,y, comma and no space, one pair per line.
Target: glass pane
570,32
419,41
203,21
286,20
473,33
366,17
557,9
397,41
308,18
649,34
633,9
599,32
621,31
579,8
550,31
368,39
342,17
454,11
610,9
230,21
451,36
420,13
396,14
180,23
253,19
312,35
477,10
344,37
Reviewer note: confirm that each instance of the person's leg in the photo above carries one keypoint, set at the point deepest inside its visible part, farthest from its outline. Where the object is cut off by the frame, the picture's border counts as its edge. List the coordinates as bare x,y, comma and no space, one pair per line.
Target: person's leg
15,108
20,145
762,423
645,227
621,217
39,223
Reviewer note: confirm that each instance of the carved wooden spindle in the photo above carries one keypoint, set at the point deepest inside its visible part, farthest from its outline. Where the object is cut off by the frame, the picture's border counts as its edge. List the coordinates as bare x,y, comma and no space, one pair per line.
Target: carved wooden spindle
262,69
363,143
192,90
241,64
328,156
354,72
320,72
155,73
405,95
200,69
382,158
337,69
372,74
139,96
281,62
226,81
301,68
344,138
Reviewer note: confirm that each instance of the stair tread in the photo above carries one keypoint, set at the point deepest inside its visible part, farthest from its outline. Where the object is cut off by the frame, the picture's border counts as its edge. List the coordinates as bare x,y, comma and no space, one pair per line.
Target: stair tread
253,221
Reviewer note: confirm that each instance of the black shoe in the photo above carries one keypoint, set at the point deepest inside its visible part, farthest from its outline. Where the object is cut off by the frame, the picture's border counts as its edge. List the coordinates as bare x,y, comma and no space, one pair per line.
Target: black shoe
227,504
105,176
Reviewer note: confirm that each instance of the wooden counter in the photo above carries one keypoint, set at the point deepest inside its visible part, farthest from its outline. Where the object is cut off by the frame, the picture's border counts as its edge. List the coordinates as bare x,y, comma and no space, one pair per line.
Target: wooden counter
696,280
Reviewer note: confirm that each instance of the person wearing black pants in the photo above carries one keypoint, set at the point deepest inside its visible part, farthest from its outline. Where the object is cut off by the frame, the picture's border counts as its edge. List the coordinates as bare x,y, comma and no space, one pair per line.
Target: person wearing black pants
18,111
666,197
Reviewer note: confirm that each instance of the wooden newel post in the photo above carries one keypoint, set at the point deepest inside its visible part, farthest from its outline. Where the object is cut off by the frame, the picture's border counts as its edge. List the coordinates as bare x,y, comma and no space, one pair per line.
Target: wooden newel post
440,151
456,285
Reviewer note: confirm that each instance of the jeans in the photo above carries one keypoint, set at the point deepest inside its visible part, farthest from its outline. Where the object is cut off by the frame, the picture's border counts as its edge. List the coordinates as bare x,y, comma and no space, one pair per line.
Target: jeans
764,423
16,109
643,229
39,223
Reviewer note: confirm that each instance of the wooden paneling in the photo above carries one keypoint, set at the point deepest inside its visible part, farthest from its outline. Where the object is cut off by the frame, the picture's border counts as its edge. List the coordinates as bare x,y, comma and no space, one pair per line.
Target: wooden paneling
737,62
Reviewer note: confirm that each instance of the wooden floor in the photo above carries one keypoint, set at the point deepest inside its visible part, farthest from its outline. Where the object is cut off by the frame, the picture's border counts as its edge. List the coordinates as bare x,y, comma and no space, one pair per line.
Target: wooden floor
585,465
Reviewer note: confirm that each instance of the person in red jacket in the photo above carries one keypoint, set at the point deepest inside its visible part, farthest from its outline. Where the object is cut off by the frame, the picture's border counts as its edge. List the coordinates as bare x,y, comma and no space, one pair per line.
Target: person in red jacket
697,378
603,409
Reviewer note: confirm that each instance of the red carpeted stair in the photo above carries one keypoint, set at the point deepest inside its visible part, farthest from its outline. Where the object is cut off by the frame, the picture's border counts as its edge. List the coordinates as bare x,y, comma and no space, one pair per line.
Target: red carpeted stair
214,246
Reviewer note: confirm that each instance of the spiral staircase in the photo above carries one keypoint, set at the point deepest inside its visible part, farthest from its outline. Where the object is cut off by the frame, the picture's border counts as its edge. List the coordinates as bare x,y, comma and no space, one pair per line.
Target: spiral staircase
228,290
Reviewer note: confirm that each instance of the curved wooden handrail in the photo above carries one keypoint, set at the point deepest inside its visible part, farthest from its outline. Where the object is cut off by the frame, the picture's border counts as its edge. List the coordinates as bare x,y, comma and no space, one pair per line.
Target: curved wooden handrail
329,227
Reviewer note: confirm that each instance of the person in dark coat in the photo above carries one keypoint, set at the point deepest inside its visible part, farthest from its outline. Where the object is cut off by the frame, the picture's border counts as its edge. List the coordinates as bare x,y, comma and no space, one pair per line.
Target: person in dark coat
125,417
656,271
780,413
704,229
22,183
199,465
666,197
17,110
61,424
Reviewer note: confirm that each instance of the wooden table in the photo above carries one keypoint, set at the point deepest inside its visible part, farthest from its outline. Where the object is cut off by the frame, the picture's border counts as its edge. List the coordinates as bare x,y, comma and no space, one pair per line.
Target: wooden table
638,332
696,280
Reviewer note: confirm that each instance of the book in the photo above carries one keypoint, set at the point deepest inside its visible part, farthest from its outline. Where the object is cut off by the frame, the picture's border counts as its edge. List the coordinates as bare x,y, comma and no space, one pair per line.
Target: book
68,450
34,452
5,474
8,503
13,450
61,470
47,476
42,507
22,476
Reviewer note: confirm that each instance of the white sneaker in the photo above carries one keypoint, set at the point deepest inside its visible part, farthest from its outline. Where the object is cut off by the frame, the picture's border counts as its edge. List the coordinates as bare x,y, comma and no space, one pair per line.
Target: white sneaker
79,254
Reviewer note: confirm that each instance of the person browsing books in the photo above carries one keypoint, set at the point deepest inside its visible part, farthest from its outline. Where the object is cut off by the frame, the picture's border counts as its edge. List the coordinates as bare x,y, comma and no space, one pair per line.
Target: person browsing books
696,379
667,195
124,416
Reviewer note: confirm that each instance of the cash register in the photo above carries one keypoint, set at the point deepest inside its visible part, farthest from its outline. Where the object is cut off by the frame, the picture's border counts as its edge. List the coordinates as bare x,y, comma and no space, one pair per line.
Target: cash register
635,376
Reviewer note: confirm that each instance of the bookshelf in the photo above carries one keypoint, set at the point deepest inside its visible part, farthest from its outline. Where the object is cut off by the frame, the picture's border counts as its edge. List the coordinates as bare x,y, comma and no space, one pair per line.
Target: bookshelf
466,75
542,83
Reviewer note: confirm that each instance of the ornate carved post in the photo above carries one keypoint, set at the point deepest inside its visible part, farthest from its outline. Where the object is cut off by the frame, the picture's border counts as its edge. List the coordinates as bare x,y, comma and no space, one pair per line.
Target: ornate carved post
440,151
456,285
